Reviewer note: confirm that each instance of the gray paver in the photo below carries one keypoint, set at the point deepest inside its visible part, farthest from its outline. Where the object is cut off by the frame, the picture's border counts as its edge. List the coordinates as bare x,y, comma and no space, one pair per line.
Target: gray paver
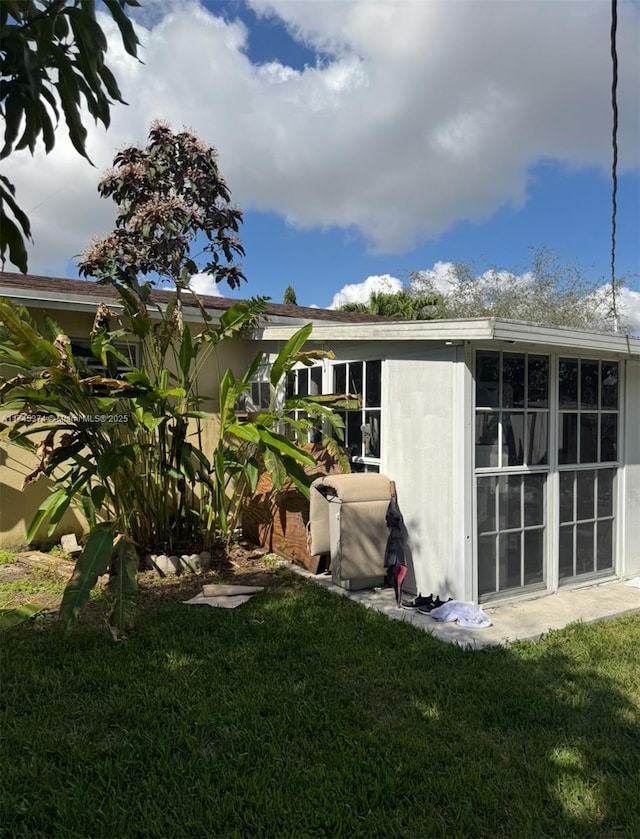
521,620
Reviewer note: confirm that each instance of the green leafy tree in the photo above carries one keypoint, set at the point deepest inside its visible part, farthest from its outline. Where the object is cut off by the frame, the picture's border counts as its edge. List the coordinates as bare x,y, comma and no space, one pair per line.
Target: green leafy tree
548,293
290,298
140,470
52,55
403,304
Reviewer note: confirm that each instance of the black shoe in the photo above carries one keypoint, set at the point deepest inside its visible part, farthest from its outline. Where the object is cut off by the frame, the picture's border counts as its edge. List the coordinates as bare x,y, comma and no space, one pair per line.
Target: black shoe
418,602
435,603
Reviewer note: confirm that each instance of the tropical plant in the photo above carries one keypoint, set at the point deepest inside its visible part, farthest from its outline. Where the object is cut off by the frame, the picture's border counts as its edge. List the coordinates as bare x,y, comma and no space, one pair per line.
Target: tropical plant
129,448
127,439
52,55
274,437
402,304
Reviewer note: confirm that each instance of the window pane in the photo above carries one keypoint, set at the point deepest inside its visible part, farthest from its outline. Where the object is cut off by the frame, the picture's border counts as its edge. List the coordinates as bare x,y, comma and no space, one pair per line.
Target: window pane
355,377
371,434
533,556
260,395
374,372
604,555
291,383
486,440
589,384
566,496
537,438
533,500
566,552
609,388
513,439
538,385
512,380
584,548
487,379
588,438
486,504
509,560
486,564
354,433
303,382
568,383
608,437
568,438
509,488
315,388
340,378
585,492
605,492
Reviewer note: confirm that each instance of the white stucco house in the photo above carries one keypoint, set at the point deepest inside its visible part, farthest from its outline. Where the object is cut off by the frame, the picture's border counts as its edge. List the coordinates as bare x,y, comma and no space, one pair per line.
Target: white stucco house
515,448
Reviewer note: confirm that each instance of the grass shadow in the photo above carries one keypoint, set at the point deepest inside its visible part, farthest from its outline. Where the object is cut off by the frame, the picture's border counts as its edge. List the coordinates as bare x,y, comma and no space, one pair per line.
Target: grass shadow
302,715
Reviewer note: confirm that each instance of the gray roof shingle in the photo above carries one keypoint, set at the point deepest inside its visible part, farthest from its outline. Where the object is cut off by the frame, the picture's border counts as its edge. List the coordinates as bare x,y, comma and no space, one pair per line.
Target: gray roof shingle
83,288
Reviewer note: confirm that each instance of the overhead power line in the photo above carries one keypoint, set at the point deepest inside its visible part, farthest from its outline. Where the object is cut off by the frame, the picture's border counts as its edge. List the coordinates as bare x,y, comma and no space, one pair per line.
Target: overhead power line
614,161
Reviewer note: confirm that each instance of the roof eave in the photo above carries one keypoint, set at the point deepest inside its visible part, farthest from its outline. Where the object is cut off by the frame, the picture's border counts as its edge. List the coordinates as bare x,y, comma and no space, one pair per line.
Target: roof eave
476,330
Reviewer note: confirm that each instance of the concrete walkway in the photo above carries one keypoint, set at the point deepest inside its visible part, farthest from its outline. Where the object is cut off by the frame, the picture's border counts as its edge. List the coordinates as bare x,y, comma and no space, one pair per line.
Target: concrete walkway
524,620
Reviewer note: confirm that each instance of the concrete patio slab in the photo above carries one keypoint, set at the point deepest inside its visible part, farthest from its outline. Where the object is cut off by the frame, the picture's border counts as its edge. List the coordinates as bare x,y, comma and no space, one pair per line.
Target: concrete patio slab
522,620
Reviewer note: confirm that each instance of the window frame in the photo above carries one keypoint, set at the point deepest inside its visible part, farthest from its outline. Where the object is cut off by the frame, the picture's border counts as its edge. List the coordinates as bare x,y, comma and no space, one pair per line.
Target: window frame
361,461
579,411
501,410
81,348
294,375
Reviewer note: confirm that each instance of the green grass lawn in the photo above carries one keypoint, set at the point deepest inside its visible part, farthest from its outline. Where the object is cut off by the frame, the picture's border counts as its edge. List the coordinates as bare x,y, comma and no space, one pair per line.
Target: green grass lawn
301,714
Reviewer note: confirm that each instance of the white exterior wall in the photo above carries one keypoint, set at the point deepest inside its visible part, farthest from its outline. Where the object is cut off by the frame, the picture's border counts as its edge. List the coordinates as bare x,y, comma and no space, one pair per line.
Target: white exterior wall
427,448
630,483
423,426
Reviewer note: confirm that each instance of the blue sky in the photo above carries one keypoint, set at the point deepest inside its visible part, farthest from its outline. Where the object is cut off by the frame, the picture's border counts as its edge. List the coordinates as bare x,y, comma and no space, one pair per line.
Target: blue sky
565,210
568,212
365,139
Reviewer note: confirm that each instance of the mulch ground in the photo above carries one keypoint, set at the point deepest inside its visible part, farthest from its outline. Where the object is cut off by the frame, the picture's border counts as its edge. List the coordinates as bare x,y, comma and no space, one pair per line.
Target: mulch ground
243,564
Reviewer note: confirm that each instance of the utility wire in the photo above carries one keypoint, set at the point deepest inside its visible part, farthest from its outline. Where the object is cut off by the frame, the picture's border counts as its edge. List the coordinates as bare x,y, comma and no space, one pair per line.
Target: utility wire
614,163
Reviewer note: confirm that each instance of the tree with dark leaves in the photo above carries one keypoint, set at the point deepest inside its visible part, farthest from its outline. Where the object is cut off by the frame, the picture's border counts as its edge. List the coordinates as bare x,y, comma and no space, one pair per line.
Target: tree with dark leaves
290,298
52,58
168,194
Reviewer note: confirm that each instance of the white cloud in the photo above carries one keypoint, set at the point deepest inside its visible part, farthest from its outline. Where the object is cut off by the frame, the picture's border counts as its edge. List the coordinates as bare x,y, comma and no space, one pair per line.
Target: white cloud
205,284
441,277
361,292
630,308
443,274
422,115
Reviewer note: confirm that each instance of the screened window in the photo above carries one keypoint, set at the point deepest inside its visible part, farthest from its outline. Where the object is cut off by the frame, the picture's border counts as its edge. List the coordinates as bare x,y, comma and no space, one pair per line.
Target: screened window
260,396
82,351
586,521
362,425
512,410
115,368
511,523
588,403
306,381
